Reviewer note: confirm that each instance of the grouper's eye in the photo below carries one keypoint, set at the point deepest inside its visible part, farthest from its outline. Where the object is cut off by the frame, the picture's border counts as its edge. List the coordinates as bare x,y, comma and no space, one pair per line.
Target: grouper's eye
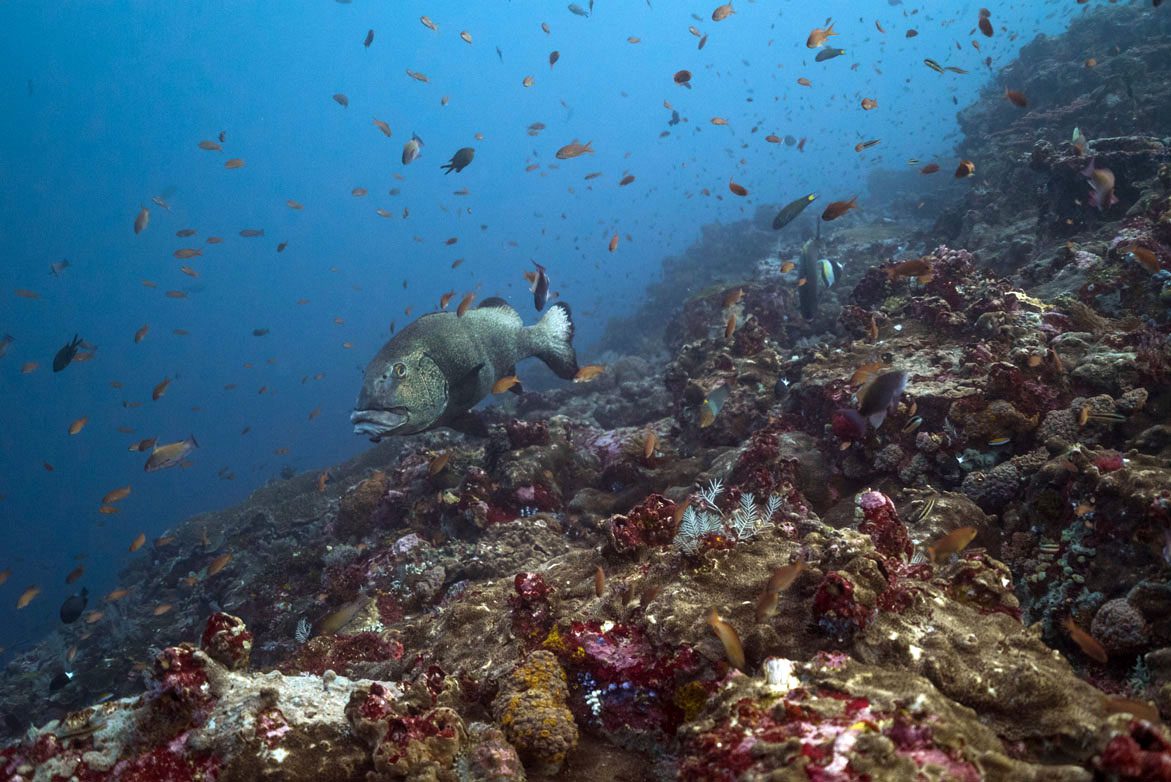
400,370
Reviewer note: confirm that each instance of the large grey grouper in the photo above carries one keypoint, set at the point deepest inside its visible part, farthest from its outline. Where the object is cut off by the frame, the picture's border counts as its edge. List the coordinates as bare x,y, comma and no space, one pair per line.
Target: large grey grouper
437,368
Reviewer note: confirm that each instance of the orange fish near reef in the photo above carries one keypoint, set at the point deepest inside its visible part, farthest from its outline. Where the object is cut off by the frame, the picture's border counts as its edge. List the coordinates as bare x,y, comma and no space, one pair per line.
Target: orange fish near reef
733,649
78,425
737,188
965,169
952,543
588,372
1086,642
1017,99
919,268
506,383
839,208
138,542
219,563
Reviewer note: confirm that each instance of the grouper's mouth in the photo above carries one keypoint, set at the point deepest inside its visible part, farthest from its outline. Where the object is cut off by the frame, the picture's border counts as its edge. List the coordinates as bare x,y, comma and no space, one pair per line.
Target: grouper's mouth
378,423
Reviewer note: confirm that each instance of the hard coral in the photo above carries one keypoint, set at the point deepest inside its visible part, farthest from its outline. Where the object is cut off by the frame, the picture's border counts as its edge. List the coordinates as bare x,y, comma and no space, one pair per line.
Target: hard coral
340,652
881,522
531,707
406,743
835,608
357,509
227,641
650,523
532,607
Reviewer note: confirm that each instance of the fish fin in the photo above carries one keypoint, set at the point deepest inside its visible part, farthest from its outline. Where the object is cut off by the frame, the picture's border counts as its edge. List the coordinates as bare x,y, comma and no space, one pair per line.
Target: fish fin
495,301
551,340
194,441
468,423
876,419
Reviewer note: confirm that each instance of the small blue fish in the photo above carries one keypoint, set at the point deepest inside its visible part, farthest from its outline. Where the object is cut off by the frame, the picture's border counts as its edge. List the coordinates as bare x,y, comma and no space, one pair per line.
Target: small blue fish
574,8
829,54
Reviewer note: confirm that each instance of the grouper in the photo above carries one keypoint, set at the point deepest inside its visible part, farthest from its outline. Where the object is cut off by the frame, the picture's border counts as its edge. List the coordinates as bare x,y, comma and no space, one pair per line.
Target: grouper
437,368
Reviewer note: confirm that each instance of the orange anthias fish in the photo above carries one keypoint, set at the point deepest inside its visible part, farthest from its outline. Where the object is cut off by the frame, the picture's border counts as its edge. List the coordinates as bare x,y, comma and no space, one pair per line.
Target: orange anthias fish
919,268
506,383
839,208
733,649
722,12
78,425
219,563
574,149
160,389
138,542
737,189
1086,642
27,596
588,372
116,495
818,37
1017,99
464,304
952,543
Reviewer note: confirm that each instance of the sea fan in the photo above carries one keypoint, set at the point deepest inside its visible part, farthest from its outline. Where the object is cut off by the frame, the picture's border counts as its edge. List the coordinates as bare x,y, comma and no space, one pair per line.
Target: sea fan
693,526
712,492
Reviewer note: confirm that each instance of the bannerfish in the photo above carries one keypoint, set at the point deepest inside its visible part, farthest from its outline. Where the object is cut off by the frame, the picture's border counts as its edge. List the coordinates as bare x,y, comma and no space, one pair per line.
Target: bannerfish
434,370
792,209
540,289
169,455
459,161
74,607
66,354
829,271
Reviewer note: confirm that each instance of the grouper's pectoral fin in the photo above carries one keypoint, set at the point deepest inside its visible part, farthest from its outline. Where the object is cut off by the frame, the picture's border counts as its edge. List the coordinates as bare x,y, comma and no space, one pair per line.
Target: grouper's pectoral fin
468,423
463,391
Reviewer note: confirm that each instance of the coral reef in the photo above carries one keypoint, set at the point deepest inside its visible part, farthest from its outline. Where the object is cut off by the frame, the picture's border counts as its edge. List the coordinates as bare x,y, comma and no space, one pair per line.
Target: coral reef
714,561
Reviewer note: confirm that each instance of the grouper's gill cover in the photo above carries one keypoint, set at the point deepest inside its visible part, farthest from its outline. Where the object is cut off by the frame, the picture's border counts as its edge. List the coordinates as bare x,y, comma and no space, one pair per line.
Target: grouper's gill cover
441,365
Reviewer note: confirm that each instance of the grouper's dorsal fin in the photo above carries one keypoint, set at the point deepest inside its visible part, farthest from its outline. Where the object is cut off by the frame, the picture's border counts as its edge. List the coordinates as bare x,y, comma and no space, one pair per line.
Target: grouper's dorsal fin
495,301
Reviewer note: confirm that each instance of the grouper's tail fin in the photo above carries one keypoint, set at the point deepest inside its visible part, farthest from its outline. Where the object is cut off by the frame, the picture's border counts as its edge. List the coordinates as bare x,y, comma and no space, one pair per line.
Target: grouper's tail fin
552,341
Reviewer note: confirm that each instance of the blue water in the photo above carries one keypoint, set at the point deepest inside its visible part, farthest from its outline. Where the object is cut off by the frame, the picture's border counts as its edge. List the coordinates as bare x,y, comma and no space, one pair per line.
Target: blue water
102,106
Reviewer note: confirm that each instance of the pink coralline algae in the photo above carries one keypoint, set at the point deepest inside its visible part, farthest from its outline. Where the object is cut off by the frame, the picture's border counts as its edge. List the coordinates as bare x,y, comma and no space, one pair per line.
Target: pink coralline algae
808,734
650,523
630,683
339,652
406,743
227,641
532,607
1140,755
181,681
835,609
881,522
522,434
